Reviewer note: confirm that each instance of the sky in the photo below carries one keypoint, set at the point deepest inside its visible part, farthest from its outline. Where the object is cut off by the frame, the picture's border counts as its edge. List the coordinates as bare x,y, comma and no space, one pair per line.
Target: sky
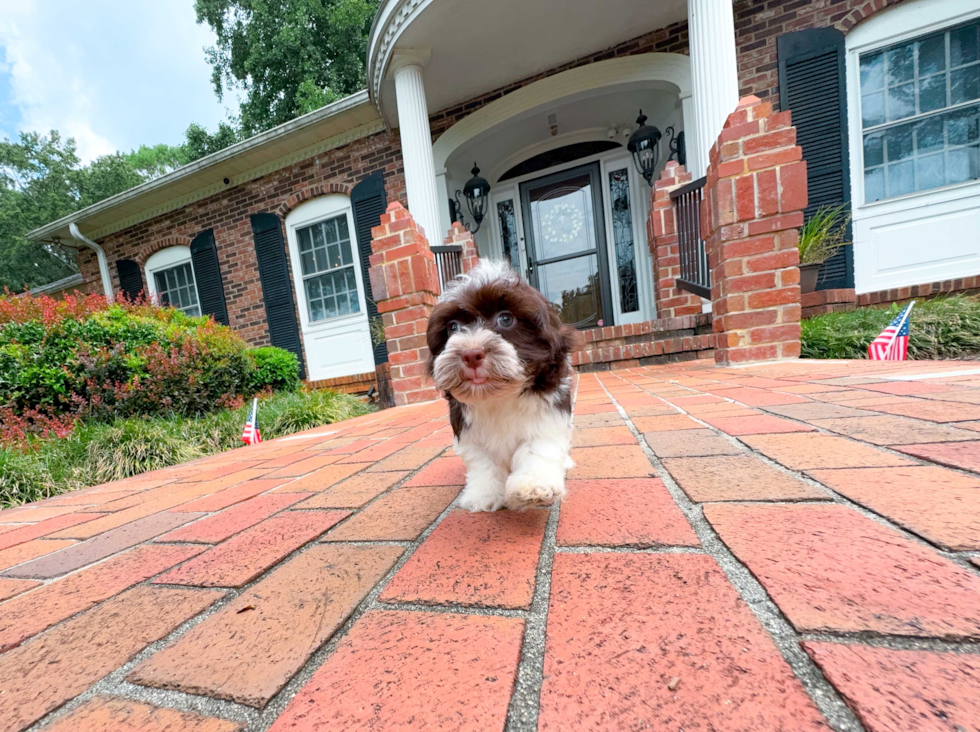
113,74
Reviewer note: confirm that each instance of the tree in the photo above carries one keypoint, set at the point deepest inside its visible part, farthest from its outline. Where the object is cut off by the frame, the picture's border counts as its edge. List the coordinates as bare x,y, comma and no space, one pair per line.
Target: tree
289,56
201,143
39,183
152,162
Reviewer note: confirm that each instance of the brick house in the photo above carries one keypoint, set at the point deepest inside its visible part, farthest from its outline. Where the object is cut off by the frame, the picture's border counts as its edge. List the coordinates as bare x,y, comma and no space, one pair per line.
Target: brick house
273,235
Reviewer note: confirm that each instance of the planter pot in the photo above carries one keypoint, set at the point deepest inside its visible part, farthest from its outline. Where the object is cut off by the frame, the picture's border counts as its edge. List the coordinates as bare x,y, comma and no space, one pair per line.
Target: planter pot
808,277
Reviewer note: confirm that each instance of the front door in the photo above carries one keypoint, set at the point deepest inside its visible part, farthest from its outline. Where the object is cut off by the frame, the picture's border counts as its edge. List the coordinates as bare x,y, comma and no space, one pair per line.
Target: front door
566,244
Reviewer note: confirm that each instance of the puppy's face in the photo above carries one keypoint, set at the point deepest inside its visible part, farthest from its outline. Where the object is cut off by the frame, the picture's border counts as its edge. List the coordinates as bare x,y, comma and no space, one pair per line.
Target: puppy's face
493,335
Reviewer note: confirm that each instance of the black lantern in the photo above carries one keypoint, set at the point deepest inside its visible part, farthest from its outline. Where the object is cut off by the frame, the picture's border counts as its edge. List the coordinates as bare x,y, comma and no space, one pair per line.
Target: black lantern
644,146
477,195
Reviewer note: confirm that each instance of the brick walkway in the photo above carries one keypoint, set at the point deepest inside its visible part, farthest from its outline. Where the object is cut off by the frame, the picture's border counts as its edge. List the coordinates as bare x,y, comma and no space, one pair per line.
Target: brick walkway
792,547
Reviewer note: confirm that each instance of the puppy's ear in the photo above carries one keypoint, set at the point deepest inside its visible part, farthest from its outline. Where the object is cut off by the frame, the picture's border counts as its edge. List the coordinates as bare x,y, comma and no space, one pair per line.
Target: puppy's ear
561,339
437,333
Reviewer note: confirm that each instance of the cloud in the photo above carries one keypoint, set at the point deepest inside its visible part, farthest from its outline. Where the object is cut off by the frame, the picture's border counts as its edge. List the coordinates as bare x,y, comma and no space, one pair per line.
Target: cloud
113,74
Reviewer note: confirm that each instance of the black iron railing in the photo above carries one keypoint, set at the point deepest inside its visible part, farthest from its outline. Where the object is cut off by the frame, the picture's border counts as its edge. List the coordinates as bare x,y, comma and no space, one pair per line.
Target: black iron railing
449,262
695,275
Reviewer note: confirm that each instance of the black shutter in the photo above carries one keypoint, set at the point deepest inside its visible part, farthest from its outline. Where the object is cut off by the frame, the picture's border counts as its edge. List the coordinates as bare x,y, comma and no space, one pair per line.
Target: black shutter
277,290
130,278
204,257
812,86
369,201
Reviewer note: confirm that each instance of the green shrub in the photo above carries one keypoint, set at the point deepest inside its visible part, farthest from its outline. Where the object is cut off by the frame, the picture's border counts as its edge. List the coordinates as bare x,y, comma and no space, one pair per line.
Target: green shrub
941,328
129,447
305,410
96,453
273,368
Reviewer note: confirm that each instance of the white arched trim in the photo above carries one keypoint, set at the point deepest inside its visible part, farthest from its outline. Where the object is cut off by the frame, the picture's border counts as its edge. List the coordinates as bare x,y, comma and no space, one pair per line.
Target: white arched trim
672,68
595,134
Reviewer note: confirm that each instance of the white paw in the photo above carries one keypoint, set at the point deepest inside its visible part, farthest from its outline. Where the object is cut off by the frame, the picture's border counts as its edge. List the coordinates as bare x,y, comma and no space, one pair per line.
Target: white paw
477,499
539,485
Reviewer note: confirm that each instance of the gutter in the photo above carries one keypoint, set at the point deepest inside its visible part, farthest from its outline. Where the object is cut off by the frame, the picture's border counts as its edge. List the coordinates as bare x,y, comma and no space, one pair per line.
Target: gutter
100,255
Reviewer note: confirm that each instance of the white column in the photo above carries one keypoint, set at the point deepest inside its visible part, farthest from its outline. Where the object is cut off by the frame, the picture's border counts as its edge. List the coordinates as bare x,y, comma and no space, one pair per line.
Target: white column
714,71
442,194
416,140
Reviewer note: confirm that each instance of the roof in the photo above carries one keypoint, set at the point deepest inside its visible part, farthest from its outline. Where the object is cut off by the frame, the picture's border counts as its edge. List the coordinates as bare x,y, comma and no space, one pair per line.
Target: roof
331,126
58,285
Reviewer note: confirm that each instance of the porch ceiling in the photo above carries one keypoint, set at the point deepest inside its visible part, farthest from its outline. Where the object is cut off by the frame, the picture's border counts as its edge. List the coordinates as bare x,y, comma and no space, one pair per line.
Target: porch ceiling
477,47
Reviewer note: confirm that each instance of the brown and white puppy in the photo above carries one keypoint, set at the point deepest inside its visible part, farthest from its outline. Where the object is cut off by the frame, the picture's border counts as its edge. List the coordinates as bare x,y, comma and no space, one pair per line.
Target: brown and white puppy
500,354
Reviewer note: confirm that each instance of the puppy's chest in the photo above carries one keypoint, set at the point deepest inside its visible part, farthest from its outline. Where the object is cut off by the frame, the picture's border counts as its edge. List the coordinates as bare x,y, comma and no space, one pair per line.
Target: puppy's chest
501,428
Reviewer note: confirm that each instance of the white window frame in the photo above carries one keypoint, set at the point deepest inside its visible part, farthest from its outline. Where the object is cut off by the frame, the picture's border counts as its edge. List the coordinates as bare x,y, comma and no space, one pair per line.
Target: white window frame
312,212
168,259
507,192
883,229
895,26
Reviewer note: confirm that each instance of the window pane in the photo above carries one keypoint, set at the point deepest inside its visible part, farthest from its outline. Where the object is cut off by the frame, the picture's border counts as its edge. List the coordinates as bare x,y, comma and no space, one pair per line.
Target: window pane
874,150
964,84
330,230
872,73
622,221
342,231
321,258
899,64
333,256
305,243
318,240
873,109
306,263
330,306
901,102
343,304
351,279
508,233
964,164
963,127
931,171
929,136
932,93
901,179
963,45
932,54
313,288
898,143
874,184
316,310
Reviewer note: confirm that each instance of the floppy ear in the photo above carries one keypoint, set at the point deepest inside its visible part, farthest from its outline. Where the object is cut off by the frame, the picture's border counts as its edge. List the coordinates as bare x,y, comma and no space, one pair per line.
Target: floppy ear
561,339
436,334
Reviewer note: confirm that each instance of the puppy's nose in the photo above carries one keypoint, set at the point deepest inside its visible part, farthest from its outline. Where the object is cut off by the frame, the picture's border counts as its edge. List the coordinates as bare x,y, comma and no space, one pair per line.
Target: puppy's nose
474,357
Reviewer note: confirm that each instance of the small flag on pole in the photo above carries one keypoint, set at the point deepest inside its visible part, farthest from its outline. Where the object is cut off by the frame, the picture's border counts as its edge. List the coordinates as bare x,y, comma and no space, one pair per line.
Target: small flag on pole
893,342
251,434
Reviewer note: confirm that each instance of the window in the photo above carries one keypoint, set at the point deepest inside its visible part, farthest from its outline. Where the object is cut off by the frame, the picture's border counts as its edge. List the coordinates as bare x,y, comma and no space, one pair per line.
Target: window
508,233
920,113
176,287
622,224
170,279
327,263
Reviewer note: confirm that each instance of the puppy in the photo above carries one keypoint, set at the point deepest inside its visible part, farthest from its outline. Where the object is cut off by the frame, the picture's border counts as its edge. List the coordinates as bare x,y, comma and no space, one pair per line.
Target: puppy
500,354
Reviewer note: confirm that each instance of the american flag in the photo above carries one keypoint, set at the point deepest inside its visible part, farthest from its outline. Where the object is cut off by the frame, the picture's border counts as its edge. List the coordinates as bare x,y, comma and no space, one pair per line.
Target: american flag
893,342
251,434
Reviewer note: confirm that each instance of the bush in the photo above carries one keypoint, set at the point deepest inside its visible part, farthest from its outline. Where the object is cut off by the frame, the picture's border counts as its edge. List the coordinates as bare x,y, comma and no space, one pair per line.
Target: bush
87,358
273,368
941,328
96,453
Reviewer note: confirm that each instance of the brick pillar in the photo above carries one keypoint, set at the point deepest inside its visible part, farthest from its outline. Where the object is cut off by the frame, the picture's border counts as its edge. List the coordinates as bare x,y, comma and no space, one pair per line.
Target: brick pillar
459,235
753,206
405,287
664,246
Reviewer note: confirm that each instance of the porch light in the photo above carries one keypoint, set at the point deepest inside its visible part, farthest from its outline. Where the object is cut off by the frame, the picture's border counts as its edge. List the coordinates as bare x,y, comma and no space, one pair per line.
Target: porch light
477,195
644,146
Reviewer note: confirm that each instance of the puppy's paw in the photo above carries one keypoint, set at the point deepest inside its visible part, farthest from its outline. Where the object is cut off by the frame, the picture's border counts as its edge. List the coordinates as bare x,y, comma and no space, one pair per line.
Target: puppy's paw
478,499
539,485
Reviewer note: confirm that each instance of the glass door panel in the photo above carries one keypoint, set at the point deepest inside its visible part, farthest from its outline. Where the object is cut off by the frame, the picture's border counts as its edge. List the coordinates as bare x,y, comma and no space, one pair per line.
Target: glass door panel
566,245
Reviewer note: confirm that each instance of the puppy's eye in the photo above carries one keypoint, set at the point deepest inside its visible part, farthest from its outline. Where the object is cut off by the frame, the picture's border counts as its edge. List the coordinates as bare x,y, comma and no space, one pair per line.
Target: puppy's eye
505,320
454,327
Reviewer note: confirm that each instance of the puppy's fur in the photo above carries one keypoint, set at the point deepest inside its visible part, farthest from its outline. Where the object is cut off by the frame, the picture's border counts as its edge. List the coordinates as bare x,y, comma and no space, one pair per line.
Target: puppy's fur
500,353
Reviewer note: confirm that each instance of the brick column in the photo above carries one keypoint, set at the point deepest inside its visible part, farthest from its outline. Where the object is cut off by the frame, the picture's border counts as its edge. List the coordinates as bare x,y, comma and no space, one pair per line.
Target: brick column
459,235
405,287
664,246
753,206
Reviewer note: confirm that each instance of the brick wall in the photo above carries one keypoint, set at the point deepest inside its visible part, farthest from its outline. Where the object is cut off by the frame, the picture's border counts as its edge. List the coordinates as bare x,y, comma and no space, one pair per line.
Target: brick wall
227,213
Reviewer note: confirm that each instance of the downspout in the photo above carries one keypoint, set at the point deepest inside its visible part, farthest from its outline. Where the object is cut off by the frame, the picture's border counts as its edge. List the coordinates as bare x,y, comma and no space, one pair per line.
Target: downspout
100,256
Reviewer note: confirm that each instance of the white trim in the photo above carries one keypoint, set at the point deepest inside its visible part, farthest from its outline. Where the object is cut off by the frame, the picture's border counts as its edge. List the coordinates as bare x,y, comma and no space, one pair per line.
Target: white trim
354,327
889,234
590,134
672,69
507,191
348,104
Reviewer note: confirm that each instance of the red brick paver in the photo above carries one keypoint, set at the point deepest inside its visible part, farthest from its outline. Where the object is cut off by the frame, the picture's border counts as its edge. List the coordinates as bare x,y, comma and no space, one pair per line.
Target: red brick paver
383,676
893,690
674,640
361,602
